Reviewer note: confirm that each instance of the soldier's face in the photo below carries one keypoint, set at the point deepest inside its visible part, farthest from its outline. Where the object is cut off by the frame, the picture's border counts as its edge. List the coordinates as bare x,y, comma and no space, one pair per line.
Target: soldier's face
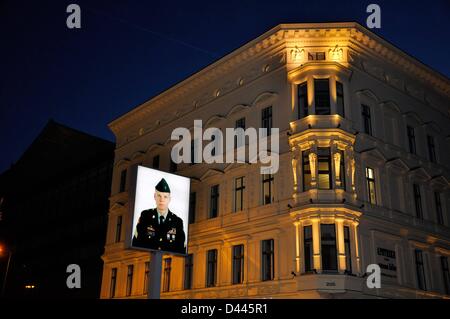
162,200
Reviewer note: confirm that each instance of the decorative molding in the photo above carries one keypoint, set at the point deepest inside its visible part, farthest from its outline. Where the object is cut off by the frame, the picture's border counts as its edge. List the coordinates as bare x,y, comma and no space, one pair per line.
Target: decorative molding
358,36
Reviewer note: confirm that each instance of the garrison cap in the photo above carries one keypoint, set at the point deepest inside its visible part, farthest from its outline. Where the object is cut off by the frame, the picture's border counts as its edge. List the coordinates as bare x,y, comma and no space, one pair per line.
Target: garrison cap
162,186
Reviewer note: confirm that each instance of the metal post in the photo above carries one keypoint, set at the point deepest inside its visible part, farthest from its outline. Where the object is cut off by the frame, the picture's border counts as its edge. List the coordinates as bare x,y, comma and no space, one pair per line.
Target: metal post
154,275
6,274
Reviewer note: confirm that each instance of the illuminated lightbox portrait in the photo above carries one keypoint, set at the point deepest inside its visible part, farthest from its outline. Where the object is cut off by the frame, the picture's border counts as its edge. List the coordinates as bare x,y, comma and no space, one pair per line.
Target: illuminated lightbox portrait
161,211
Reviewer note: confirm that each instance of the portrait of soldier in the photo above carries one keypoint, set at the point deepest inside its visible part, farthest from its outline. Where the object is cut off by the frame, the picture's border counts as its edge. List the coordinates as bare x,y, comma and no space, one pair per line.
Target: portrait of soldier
159,228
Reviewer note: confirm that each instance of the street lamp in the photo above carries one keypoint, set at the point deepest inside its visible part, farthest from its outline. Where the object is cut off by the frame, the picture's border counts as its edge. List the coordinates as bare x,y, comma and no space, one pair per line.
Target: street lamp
2,252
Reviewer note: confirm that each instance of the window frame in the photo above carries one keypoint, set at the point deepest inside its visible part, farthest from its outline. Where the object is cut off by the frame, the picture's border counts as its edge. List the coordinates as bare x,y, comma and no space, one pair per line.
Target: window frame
269,181
188,271
214,201
267,259
211,268
238,264
420,270
320,95
371,183
418,201
323,245
302,92
129,283
239,190
166,274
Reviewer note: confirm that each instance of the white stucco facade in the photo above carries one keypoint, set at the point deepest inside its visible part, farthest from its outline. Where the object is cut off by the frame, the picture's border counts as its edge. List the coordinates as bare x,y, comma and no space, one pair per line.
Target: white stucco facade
387,228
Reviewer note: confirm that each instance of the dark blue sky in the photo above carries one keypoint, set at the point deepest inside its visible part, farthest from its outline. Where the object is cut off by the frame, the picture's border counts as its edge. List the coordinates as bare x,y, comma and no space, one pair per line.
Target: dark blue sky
128,51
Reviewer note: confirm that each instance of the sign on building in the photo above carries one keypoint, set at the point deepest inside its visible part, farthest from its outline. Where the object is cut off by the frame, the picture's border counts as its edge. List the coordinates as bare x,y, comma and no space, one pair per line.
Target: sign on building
159,203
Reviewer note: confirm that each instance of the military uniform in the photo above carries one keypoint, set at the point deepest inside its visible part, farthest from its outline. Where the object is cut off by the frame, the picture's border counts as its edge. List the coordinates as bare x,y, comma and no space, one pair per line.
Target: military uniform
153,233
168,236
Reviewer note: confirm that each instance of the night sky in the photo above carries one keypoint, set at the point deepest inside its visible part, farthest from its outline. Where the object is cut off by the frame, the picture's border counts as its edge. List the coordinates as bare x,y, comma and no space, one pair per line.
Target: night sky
129,51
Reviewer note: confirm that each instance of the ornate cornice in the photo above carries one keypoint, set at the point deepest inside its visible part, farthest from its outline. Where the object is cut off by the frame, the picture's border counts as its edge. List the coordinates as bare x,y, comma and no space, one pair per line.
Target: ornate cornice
268,45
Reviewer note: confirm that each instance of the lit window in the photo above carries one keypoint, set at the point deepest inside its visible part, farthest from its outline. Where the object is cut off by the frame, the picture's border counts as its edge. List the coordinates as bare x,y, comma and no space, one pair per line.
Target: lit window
371,192
324,168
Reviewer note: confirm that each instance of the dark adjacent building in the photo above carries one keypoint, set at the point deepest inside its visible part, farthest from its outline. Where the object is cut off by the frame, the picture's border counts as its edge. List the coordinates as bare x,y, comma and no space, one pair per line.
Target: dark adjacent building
54,205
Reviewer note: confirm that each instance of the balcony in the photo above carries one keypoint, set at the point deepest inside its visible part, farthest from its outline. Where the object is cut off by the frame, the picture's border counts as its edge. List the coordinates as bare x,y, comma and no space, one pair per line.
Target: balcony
330,122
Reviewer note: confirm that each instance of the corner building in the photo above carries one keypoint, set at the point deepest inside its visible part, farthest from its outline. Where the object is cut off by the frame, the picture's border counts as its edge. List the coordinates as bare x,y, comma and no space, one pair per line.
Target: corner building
363,179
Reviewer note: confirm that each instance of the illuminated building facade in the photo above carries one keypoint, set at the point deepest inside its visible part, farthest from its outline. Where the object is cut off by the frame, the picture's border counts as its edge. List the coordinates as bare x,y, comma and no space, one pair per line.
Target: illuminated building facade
363,179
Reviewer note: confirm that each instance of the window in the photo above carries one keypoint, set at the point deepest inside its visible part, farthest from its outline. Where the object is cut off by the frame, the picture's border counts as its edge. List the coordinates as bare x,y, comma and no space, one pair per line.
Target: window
211,270
192,204
266,119
445,274
267,181
239,124
342,170
367,124
421,281
371,192
319,56
112,287
348,252
188,271
118,229
267,262
303,100
411,139
340,99
306,171
130,279
439,215
239,188
328,249
146,272
308,248
214,201
431,149
418,201
166,275
123,180
238,264
155,163
324,165
322,96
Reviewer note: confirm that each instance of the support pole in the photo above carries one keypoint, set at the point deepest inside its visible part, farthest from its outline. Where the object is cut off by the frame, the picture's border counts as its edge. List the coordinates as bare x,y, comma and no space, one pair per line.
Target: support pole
154,275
